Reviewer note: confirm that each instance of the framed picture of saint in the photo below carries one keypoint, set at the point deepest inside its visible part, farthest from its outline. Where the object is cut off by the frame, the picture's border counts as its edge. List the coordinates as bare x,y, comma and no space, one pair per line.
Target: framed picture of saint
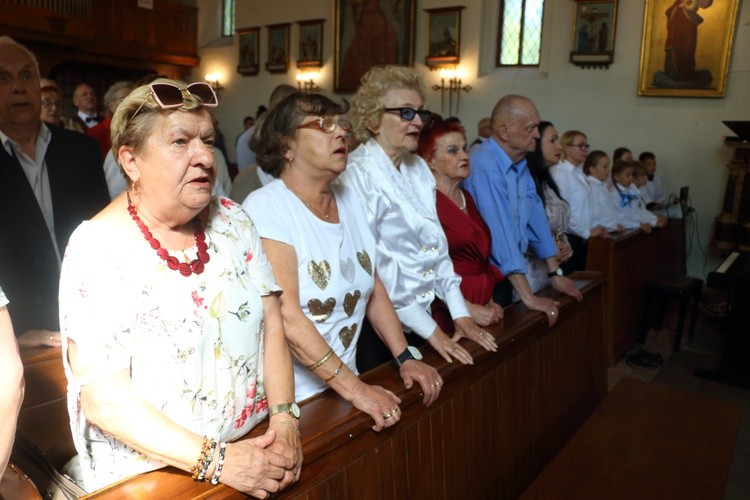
278,48
444,37
310,53
371,33
686,47
249,39
594,33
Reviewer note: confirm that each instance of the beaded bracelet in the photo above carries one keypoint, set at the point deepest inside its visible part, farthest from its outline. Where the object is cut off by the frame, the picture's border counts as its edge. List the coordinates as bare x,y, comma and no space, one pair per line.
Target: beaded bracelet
219,464
335,372
209,458
195,469
322,360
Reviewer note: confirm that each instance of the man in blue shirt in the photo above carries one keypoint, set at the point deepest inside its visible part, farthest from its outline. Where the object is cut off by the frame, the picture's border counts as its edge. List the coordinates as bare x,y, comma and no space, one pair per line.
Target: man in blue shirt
504,192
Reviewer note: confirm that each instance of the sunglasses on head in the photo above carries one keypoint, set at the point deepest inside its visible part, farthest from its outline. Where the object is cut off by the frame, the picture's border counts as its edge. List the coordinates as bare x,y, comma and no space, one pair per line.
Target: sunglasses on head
169,95
408,114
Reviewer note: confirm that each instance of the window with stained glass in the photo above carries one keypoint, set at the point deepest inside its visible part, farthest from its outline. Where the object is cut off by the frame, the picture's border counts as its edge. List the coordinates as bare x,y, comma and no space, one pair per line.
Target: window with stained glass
519,40
227,18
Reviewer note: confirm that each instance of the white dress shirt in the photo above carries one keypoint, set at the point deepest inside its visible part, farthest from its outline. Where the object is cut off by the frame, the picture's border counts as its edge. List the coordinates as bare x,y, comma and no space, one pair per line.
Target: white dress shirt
653,192
627,204
245,155
412,258
575,190
601,206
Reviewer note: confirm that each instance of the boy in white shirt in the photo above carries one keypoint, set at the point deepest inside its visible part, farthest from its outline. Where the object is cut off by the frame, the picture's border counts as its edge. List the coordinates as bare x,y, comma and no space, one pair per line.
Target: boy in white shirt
653,193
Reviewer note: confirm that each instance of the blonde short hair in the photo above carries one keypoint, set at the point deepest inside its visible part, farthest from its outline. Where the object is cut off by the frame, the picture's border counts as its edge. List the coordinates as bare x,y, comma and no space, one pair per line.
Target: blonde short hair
366,109
567,139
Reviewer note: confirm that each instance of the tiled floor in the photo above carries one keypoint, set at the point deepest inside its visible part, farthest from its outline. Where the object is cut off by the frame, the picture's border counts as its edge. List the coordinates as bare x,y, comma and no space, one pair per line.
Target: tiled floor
703,351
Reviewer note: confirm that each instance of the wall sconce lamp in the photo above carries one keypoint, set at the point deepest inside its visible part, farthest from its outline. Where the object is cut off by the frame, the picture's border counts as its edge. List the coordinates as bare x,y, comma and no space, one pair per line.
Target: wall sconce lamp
453,86
306,81
213,80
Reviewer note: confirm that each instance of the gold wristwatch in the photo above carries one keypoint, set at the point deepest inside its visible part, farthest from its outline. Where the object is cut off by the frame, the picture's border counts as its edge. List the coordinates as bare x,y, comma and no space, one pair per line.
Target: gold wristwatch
290,408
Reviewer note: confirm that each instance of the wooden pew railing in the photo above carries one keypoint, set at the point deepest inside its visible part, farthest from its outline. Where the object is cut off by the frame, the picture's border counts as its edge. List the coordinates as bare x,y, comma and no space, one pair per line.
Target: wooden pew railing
493,429
628,262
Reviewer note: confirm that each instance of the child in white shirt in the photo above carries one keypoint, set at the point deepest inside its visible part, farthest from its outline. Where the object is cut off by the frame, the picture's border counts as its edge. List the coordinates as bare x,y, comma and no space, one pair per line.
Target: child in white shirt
596,168
625,199
653,193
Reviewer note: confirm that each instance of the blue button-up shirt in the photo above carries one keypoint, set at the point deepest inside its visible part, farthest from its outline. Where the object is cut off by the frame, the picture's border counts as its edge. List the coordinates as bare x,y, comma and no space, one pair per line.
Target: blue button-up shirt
506,197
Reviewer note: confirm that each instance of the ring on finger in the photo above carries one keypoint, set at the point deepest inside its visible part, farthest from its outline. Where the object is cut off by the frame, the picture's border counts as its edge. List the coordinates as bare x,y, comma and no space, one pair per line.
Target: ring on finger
387,416
394,411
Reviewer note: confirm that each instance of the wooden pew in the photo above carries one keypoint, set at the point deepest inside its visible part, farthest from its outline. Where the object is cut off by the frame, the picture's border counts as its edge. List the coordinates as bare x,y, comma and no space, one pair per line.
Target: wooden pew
494,428
628,263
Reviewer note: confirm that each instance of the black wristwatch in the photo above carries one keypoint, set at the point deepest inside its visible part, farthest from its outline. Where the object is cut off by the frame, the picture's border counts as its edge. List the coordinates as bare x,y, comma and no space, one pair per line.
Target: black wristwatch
410,353
559,272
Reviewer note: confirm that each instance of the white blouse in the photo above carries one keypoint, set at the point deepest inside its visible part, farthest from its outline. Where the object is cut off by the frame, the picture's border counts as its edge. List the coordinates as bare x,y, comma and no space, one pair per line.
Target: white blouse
334,265
575,190
603,212
412,251
629,208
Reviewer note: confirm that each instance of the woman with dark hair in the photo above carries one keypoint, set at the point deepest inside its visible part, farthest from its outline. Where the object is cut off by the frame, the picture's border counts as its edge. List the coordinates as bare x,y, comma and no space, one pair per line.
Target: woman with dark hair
547,153
316,236
442,144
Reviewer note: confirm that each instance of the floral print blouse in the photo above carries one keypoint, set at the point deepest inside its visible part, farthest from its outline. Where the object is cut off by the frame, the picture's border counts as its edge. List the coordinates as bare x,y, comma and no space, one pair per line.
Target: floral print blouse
193,345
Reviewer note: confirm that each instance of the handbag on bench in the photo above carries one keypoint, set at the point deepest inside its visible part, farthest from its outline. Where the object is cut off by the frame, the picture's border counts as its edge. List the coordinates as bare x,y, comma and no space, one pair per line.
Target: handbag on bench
51,483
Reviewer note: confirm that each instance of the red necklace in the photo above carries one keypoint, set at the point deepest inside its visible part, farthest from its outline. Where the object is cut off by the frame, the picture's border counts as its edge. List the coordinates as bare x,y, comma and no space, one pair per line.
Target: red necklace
196,266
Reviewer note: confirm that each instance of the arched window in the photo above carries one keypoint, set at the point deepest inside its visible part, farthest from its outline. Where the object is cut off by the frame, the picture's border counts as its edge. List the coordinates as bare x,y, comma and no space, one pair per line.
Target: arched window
227,18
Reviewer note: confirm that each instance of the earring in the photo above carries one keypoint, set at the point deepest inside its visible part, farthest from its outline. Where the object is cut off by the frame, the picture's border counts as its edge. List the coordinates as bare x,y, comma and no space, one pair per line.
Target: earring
135,188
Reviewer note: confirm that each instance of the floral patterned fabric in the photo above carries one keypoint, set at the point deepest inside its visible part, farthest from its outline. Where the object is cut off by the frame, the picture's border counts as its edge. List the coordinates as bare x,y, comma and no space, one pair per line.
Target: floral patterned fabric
193,345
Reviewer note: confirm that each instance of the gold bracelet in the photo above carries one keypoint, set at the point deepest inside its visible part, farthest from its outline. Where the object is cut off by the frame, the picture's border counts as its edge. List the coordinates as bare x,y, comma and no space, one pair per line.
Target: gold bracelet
204,459
322,360
335,372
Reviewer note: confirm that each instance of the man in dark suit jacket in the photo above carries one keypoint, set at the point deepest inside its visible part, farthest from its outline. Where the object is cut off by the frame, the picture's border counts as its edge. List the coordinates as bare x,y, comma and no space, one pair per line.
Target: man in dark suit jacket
39,197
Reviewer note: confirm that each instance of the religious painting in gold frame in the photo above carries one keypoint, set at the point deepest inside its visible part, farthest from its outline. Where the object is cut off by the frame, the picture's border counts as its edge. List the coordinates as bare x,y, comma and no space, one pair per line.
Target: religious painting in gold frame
686,47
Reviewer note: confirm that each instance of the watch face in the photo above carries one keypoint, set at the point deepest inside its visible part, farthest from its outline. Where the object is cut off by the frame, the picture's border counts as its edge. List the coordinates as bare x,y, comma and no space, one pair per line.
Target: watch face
415,353
294,410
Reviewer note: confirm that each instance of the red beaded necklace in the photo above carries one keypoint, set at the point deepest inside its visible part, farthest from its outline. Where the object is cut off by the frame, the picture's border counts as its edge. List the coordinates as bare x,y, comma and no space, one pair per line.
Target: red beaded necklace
196,266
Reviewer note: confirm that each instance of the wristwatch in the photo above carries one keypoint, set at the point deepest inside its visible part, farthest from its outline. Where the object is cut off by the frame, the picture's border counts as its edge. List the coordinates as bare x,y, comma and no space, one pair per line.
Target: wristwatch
290,408
559,272
411,352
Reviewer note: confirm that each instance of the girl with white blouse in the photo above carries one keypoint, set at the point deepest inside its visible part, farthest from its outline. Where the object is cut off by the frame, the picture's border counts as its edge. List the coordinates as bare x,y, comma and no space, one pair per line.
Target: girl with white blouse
596,168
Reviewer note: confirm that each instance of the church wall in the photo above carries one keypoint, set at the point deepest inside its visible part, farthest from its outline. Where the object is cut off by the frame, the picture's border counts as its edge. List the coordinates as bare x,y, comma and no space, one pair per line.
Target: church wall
685,133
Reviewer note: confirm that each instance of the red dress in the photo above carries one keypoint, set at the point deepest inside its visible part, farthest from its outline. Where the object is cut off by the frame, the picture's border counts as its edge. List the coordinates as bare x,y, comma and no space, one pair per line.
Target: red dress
469,246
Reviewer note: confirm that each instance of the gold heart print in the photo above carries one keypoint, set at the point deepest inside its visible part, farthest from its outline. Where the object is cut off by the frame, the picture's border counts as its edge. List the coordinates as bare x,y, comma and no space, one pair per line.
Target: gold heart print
364,261
321,310
350,302
320,273
347,335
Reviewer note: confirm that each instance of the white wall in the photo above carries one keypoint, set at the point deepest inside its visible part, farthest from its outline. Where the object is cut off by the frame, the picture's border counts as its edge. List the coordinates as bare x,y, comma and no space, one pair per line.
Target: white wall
685,133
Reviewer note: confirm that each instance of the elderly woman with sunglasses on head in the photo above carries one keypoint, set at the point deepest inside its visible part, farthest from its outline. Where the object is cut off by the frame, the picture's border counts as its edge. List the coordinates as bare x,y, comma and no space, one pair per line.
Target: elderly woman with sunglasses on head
172,337
398,191
315,234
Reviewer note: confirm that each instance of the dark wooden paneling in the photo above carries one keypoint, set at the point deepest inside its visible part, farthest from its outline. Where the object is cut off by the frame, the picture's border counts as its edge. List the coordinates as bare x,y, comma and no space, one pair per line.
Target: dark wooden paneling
629,262
495,426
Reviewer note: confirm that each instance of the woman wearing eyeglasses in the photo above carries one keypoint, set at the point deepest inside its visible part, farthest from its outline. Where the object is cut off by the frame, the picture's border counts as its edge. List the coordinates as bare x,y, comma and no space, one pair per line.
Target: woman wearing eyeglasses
571,181
398,191
162,298
315,234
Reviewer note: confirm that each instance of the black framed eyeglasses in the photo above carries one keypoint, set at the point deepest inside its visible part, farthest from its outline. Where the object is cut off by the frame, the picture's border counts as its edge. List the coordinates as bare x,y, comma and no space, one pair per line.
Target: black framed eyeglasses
328,124
169,95
408,114
581,146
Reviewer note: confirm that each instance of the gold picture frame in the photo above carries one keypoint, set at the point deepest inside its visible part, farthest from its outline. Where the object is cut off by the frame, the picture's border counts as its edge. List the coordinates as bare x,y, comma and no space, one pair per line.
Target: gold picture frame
686,47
